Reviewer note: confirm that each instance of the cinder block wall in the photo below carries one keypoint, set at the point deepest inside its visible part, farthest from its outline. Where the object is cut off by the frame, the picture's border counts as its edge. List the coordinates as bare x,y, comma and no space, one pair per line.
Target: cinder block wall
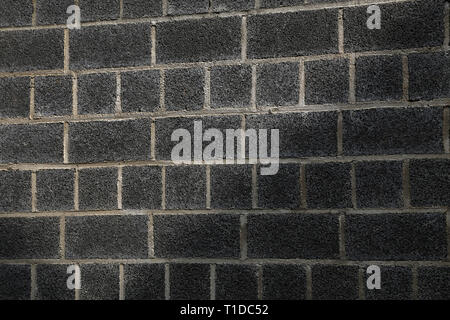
86,178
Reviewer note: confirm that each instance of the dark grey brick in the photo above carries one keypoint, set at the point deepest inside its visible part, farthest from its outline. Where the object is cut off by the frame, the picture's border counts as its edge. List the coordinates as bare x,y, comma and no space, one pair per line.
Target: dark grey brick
141,187
99,282
284,282
103,237
331,282
51,282
396,236
281,190
109,141
430,182
189,282
140,91
15,188
236,282
328,185
280,3
15,98
186,187
178,7
109,46
202,235
29,238
184,89
434,283
301,134
47,53
165,127
231,86
392,131
37,143
429,76
396,284
98,188
144,282
379,78
232,5
15,13
95,10
53,11
289,236
379,184
54,190
293,34
142,8
277,84
53,96
96,93
411,24
231,187
199,40
326,81
15,282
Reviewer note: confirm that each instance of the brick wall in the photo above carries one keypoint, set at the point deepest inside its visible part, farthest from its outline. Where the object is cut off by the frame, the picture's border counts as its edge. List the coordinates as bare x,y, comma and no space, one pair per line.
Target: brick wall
85,172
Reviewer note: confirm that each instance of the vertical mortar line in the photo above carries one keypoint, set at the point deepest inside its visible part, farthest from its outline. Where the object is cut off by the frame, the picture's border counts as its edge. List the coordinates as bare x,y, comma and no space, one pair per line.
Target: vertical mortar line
405,74
66,142
121,282
33,280
66,51
167,281
153,42
118,108
75,94
121,10
151,239
164,7
361,287
341,30
75,191
243,126
303,189
308,282
257,4
32,96
406,184
352,79
163,187
353,178
340,133
446,130
208,187
119,187
212,282
162,89
77,294
33,192
153,140
254,186
243,236
301,78
207,89
342,254
254,82
446,26
62,237
260,282
415,286
34,14
244,38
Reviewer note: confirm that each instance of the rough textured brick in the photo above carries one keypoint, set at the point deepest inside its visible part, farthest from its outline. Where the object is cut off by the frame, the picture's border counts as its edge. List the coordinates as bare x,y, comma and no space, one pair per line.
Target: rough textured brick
15,188
396,284
109,46
102,237
328,185
53,11
396,236
301,134
410,24
29,238
99,282
280,3
178,7
281,190
15,282
186,187
165,127
214,236
379,78
15,98
96,93
141,187
326,81
392,131
98,188
434,283
15,13
51,282
292,34
184,89
53,96
189,282
144,282
109,141
277,84
140,91
231,187
94,10
430,182
37,143
199,40
232,5
236,282
379,184
142,8
429,76
47,53
54,190
231,86
288,236
284,282
331,282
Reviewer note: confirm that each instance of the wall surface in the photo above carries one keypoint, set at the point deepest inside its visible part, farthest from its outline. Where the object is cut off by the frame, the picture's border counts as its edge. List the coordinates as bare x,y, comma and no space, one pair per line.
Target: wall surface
86,176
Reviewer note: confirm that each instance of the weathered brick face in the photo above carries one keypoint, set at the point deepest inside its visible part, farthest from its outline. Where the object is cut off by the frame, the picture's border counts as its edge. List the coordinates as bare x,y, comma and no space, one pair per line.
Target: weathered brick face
86,177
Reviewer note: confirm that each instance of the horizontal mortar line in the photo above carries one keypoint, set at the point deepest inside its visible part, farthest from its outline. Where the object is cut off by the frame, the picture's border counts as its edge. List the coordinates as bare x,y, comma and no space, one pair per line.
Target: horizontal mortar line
260,11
